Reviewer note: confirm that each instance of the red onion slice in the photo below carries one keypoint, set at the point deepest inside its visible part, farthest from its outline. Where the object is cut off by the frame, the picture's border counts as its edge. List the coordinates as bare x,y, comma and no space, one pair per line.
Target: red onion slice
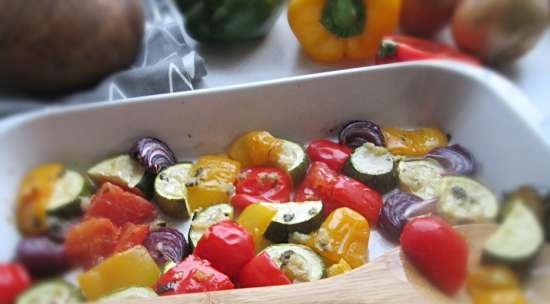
455,159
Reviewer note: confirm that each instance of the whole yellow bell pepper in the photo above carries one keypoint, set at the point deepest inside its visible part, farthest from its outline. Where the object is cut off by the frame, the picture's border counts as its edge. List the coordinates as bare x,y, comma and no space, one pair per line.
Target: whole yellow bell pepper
335,30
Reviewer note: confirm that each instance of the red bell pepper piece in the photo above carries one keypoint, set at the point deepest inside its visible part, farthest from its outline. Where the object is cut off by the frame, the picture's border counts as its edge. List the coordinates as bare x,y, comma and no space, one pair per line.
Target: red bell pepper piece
398,48
261,184
330,153
131,235
192,275
262,271
14,279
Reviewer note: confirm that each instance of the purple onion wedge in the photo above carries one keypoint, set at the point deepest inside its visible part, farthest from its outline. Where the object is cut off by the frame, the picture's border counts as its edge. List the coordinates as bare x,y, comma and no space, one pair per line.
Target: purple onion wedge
455,159
399,208
166,244
153,154
355,133
42,257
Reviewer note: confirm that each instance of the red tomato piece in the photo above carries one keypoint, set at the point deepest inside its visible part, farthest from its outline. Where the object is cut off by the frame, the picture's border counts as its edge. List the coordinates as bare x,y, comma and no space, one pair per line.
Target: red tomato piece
192,275
14,279
131,235
332,154
396,48
120,206
261,184
355,195
262,271
227,246
91,241
438,250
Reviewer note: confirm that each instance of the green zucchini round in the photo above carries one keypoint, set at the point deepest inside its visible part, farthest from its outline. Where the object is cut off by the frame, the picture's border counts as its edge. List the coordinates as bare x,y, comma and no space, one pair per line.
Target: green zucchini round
171,192
303,217
67,194
299,263
293,159
374,166
131,293
52,291
422,178
204,218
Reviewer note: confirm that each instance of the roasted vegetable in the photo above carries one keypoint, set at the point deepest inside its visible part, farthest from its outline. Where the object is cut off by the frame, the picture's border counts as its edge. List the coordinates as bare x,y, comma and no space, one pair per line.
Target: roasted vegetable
495,285
335,30
374,166
356,133
257,218
455,159
15,280
297,262
153,154
499,31
517,241
527,196
41,256
229,21
69,191
426,17
261,184
301,217
328,152
131,235
421,177
131,268
463,201
166,245
171,190
338,268
204,218
262,271
131,293
52,291
415,142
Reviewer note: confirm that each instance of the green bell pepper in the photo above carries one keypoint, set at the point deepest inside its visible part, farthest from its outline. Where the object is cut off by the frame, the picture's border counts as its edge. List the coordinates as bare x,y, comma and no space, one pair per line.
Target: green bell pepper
229,20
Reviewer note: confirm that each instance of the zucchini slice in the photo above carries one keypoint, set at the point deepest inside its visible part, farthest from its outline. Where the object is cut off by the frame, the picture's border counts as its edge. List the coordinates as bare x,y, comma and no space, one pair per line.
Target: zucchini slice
374,166
130,294
204,218
298,263
171,192
527,196
420,177
302,217
292,158
518,240
52,291
67,194
123,171
464,200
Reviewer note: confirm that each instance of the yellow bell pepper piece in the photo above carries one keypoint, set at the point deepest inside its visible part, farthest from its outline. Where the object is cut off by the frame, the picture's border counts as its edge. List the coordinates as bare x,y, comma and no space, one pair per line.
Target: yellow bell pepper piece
131,268
253,148
256,219
343,235
338,268
417,142
34,195
335,30
494,285
212,181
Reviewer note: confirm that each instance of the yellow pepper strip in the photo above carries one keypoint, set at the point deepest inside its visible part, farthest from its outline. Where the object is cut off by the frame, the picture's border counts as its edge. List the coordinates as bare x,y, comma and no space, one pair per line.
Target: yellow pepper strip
256,218
343,235
212,179
495,285
253,148
416,142
34,195
332,31
131,268
338,268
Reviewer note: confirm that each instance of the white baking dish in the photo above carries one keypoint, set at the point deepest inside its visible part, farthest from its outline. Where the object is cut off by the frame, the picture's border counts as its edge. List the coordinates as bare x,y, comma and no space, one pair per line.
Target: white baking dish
481,110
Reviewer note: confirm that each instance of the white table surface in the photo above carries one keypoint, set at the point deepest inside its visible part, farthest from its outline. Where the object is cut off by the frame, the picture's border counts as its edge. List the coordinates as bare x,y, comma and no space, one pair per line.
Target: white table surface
278,55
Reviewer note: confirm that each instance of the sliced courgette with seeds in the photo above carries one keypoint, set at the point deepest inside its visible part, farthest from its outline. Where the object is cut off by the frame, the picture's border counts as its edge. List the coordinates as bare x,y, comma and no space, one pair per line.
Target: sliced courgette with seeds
131,293
171,192
527,196
374,166
52,291
420,177
298,263
204,218
517,241
123,171
292,158
68,193
302,217
464,200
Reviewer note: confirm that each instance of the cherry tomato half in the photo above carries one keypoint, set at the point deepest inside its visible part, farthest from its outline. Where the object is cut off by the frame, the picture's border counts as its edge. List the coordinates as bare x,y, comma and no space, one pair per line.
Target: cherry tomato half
14,279
261,184
328,152
262,271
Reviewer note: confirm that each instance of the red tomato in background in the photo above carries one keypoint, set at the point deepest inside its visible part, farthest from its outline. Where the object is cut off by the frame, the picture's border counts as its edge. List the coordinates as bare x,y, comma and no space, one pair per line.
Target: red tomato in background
131,235
262,271
438,250
227,246
91,241
120,206
192,275
332,154
14,279
261,184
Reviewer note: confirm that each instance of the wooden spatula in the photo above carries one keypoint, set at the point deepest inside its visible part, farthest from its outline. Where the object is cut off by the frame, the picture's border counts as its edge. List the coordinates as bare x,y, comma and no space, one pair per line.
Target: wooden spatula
389,279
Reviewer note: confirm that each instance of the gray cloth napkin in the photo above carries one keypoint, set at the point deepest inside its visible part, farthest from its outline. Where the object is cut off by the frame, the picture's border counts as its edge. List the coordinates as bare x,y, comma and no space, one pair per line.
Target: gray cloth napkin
165,64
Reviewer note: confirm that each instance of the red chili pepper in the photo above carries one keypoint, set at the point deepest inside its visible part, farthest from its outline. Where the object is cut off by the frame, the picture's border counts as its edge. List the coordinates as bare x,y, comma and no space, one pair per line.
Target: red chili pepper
262,271
14,279
192,275
227,246
328,152
438,250
397,48
261,184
